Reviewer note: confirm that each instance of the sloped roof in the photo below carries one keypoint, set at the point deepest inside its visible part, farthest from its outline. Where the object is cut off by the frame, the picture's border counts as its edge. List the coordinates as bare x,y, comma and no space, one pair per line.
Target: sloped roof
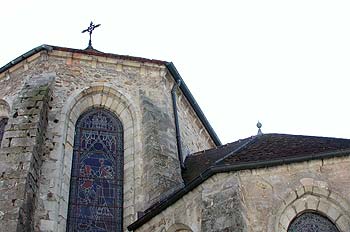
198,162
249,153
257,149
280,146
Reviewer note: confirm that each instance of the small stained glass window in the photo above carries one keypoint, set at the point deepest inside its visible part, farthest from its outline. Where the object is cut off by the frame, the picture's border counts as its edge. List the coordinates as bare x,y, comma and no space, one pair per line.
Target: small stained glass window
96,187
312,222
3,122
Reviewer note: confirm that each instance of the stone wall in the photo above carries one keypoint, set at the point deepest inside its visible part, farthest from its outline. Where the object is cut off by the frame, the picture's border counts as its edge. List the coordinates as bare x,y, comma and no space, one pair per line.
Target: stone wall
22,153
265,199
139,93
194,136
222,205
216,205
186,211
274,196
160,152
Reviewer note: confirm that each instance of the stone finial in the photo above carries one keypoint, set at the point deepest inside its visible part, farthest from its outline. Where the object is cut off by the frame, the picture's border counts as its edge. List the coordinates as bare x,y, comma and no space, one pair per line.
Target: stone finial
259,125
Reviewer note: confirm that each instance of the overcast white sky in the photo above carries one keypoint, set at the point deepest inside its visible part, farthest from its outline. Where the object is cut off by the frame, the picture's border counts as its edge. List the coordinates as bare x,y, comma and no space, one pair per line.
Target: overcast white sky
285,63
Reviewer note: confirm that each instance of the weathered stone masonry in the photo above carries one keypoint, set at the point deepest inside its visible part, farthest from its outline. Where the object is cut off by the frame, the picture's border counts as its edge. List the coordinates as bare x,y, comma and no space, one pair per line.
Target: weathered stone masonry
22,153
161,152
264,199
44,92
137,91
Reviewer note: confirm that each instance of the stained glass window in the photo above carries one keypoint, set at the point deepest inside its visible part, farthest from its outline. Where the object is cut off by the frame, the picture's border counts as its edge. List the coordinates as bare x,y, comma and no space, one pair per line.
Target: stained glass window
3,122
96,187
312,222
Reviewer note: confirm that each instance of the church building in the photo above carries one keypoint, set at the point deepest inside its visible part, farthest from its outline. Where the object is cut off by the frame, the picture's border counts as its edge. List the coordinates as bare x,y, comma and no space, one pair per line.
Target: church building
99,142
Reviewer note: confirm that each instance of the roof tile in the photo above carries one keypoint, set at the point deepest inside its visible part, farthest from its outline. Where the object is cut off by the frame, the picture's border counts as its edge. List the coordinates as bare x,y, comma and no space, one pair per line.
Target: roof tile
262,148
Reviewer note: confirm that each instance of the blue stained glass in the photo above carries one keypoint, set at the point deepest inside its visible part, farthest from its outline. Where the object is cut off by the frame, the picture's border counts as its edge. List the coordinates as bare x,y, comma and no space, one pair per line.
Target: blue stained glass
312,222
96,188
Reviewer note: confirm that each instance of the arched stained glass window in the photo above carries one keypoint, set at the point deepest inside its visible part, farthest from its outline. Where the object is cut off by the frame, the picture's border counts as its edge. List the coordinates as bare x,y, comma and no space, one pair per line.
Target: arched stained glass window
3,122
96,187
312,222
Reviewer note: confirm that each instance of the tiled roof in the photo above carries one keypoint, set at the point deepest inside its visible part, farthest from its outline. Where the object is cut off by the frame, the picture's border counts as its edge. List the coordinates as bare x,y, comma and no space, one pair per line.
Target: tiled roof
254,152
198,162
279,146
267,147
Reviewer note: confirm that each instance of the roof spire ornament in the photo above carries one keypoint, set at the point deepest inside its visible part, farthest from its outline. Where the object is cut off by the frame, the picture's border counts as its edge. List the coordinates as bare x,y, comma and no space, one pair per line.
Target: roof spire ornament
90,29
259,125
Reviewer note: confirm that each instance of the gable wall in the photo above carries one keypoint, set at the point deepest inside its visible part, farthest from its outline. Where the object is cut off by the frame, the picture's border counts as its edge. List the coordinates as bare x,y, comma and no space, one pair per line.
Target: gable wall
139,95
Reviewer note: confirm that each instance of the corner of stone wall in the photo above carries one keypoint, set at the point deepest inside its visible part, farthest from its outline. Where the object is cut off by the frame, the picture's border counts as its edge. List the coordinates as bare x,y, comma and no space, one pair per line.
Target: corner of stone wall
161,164
223,204
21,154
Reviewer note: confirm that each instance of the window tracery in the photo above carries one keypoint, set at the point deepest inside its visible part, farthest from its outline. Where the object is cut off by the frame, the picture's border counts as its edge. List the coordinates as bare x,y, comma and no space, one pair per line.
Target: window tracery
96,187
312,222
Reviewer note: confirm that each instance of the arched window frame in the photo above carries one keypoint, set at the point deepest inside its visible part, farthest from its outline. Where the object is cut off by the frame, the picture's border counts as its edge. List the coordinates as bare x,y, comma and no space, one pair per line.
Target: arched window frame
312,197
123,107
179,227
99,133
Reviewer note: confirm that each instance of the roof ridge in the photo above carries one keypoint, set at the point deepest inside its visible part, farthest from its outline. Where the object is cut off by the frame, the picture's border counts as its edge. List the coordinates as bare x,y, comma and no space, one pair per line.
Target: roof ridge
309,136
264,135
243,146
217,147
108,54
169,66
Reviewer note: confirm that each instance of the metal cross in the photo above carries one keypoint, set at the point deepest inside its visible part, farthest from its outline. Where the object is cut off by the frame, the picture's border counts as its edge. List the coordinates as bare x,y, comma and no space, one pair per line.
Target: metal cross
90,30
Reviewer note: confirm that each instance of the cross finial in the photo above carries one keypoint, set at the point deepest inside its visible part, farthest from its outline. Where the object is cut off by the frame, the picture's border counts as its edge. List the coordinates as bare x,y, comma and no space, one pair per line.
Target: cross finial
90,30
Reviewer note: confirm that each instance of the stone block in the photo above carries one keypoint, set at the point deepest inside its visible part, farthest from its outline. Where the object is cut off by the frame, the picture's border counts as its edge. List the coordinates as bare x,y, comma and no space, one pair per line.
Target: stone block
47,225
8,225
292,196
22,142
323,206
290,213
284,222
299,205
97,100
311,202
333,213
15,134
344,223
341,201
300,191
321,191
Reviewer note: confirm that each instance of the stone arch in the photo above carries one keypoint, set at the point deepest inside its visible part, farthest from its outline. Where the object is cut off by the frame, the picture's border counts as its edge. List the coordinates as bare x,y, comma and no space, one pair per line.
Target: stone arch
179,227
103,96
314,198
